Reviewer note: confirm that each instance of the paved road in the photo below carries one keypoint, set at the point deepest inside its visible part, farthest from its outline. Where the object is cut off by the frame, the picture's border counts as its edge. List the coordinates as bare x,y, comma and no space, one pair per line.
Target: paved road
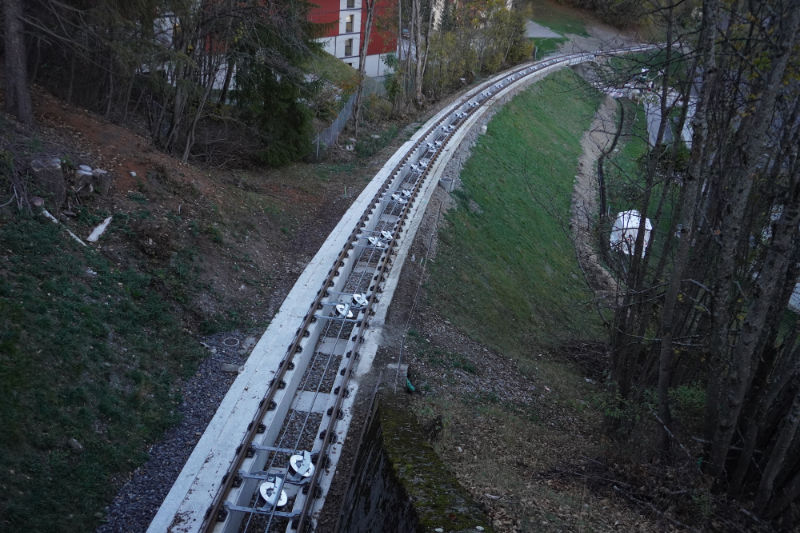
533,29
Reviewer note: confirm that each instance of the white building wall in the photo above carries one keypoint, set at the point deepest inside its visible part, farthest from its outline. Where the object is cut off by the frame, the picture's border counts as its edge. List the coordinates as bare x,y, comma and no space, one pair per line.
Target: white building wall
356,14
328,44
794,300
375,66
341,44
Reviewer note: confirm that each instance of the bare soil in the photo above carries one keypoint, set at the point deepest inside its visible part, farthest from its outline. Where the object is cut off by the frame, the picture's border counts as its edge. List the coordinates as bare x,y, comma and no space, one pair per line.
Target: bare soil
595,141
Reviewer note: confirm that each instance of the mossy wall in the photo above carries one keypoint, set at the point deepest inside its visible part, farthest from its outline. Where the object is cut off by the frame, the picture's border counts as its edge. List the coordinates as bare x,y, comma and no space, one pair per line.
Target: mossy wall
400,481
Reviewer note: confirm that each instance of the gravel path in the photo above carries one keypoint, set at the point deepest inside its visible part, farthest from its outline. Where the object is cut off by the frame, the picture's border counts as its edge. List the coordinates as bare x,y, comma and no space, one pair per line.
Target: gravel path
595,140
139,498
532,29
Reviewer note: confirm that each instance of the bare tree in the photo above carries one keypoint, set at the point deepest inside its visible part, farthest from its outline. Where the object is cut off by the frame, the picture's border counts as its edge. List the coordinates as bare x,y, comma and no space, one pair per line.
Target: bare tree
17,91
362,62
706,301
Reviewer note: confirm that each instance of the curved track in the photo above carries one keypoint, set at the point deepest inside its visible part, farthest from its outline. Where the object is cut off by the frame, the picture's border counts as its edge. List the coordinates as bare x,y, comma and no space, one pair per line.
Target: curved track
285,447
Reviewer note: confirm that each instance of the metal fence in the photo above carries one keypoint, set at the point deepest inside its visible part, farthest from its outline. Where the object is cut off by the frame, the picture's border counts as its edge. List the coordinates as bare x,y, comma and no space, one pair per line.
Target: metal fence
330,135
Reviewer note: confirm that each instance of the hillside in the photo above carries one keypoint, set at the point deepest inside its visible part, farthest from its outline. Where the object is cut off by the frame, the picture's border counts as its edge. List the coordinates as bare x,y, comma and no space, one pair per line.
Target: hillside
133,284
100,342
108,346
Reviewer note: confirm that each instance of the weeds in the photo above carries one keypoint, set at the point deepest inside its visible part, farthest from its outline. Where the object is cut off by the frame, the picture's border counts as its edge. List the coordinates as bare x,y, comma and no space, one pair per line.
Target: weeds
558,18
438,357
546,46
517,285
369,145
86,354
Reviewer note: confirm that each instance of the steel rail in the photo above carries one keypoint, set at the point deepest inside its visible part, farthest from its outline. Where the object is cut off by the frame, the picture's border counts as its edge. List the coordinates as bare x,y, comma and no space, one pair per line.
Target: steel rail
457,113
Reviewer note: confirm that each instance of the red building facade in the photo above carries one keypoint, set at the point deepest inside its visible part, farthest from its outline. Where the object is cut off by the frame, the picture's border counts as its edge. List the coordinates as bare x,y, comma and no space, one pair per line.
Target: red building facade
345,22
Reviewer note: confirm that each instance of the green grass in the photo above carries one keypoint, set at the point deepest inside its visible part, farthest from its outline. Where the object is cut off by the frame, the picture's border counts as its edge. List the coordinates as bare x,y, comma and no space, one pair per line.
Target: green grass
559,18
333,70
622,169
438,357
88,351
370,144
506,269
545,47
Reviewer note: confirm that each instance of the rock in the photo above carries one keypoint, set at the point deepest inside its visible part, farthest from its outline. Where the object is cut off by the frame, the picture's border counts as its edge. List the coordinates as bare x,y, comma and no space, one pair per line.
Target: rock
83,183
99,230
49,177
85,168
249,342
89,181
102,181
231,367
75,445
433,428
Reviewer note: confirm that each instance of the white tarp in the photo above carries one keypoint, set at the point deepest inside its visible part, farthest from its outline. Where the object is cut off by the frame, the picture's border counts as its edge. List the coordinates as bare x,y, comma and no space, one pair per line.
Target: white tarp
626,229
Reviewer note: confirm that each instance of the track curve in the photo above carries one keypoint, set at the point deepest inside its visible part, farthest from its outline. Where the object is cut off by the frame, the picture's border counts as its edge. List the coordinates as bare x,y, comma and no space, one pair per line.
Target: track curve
269,454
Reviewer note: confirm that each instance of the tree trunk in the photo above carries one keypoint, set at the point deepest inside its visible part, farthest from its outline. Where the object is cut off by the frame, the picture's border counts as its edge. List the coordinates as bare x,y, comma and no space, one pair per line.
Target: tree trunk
17,91
418,49
407,86
362,64
777,456
788,495
71,86
190,136
688,209
422,60
735,363
227,83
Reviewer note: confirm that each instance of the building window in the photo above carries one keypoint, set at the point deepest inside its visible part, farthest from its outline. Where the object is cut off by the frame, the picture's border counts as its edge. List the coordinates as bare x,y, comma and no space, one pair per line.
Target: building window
348,47
348,25
351,4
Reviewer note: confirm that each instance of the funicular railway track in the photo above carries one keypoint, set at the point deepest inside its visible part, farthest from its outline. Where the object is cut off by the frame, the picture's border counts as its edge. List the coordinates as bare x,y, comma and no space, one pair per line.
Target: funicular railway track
274,480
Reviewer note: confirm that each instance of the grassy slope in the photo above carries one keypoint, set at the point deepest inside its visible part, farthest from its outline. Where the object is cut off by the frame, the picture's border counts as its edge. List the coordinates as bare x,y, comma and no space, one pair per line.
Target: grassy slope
506,272
545,46
334,70
88,351
561,19
558,18
516,283
93,343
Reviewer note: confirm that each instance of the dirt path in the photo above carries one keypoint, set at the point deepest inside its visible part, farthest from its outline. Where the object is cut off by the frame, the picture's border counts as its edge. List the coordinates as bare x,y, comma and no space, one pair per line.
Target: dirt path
595,140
